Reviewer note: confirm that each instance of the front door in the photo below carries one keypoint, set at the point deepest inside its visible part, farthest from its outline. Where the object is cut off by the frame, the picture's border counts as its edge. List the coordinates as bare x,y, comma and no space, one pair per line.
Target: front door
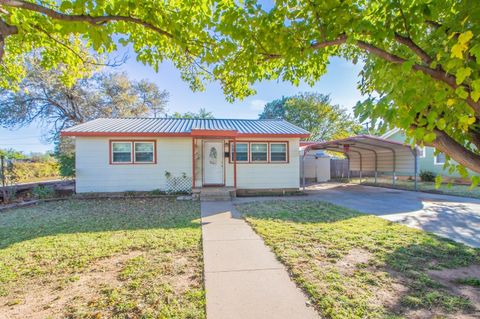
213,163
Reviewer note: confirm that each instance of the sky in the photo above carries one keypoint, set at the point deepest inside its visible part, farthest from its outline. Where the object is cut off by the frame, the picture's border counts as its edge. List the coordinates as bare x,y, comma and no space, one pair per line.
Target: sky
340,82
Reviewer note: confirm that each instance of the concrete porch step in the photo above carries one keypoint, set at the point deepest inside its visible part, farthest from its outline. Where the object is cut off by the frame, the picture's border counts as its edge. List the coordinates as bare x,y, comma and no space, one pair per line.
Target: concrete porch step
215,193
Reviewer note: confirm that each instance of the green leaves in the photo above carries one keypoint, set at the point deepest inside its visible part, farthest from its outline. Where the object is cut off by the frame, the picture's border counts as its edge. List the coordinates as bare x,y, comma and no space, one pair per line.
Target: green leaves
462,74
435,69
461,46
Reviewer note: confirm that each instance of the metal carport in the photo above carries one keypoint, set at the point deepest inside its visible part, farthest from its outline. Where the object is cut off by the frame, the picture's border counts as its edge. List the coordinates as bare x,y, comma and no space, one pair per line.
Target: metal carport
370,155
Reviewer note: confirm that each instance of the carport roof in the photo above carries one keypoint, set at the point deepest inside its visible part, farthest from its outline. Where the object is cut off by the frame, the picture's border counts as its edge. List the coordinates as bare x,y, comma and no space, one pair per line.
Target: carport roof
359,143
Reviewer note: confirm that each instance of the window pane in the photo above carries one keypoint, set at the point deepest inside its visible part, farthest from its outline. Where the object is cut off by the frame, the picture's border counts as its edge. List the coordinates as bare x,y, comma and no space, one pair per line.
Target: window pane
421,153
122,146
259,147
243,157
441,158
259,152
122,152
144,152
121,157
242,148
278,152
143,147
143,156
278,148
242,152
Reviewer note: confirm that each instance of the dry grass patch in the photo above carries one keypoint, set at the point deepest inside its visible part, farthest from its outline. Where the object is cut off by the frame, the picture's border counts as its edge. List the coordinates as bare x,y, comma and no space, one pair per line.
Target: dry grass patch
132,258
354,265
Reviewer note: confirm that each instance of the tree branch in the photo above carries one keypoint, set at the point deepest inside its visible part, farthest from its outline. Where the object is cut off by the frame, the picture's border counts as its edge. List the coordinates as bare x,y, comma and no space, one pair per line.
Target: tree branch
5,31
434,73
320,45
456,151
95,21
414,47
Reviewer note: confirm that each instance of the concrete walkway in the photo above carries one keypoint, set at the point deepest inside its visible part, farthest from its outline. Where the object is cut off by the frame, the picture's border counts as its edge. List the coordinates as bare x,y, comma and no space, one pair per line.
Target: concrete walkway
243,279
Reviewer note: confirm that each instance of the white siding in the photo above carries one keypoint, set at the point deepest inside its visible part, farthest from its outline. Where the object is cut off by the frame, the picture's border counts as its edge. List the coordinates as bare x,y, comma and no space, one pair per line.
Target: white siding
94,173
268,176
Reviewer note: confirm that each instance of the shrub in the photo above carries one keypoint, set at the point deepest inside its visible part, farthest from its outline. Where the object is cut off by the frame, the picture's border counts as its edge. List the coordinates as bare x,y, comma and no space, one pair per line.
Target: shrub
27,171
67,165
427,176
43,192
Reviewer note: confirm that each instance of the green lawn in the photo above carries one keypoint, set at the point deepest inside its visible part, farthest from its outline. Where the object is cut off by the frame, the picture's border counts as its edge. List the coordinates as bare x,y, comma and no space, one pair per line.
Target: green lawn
360,266
454,189
122,258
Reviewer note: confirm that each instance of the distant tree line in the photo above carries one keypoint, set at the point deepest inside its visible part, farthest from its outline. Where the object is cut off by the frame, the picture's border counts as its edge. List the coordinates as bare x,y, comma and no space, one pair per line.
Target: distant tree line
315,113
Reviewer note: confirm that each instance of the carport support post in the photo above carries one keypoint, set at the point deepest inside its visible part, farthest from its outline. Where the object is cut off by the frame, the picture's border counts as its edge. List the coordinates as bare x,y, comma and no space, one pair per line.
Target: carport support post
303,167
415,156
361,166
394,166
348,167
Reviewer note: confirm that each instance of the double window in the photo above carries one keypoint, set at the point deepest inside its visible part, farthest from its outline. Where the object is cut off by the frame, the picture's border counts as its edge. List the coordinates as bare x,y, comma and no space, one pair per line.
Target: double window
259,152
132,152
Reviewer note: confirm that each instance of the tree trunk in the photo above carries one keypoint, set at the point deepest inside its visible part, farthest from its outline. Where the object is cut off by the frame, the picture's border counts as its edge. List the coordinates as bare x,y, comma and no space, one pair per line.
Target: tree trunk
456,151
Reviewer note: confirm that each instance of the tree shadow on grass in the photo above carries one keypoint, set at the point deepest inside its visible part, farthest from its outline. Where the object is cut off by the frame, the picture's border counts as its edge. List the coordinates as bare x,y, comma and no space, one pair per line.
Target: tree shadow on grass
412,264
91,216
322,234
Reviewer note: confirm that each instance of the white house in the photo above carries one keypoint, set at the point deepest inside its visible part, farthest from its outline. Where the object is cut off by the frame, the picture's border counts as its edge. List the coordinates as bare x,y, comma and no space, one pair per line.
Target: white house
144,154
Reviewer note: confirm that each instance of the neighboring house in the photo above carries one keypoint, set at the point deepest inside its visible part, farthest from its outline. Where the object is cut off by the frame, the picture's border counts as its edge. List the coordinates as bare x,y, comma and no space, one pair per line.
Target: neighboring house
144,154
427,159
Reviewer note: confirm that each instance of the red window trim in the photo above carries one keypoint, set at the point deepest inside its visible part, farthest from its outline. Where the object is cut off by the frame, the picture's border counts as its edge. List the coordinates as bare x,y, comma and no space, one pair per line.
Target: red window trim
268,152
132,142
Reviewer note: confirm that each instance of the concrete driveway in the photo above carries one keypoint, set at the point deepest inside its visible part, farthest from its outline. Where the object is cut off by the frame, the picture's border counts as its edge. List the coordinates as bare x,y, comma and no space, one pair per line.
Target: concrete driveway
453,217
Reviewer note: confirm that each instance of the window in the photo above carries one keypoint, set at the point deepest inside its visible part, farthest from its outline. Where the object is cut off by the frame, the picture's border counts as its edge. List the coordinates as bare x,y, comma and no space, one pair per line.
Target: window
132,152
144,152
259,152
241,152
439,159
121,152
278,152
421,152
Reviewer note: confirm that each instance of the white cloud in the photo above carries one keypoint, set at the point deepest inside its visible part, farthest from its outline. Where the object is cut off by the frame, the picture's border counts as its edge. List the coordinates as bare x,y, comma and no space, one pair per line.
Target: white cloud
257,104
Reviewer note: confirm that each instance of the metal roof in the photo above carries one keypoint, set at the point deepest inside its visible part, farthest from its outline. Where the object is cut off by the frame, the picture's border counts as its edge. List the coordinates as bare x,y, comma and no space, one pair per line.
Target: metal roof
362,142
181,126
372,153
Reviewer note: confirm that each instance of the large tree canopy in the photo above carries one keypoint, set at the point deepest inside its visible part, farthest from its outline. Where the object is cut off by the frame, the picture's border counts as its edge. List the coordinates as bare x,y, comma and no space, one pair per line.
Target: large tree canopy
43,97
315,113
421,57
